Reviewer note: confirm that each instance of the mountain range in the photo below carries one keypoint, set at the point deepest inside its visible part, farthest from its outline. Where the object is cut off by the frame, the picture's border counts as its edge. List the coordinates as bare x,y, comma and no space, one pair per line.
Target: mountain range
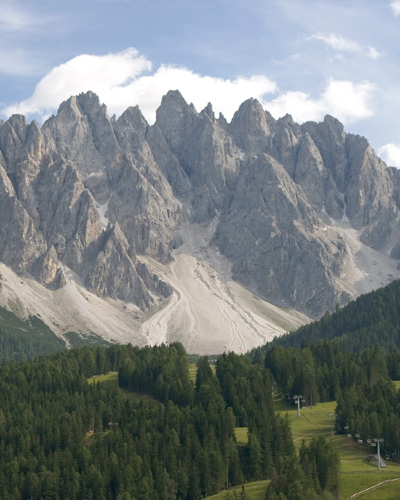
218,235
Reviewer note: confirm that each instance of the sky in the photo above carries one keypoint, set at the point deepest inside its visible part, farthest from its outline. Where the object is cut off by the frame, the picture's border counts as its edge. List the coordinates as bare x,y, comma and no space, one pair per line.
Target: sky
307,58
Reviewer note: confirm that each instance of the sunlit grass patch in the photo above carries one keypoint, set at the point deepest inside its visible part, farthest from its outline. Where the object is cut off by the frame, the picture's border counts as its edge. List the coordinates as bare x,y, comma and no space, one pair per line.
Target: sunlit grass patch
312,421
110,379
241,435
356,473
385,491
192,371
352,483
254,491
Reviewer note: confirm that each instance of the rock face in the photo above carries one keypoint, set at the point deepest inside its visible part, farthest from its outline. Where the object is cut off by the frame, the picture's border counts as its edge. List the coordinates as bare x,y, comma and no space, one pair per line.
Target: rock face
292,207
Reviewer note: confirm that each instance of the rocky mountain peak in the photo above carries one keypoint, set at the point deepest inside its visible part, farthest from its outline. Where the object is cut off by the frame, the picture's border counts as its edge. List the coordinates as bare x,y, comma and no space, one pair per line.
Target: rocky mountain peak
251,128
334,125
19,125
131,128
176,119
82,134
297,214
208,111
89,102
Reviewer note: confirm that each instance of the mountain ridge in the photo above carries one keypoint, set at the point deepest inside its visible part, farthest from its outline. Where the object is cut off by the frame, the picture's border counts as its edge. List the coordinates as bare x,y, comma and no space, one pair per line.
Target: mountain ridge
299,213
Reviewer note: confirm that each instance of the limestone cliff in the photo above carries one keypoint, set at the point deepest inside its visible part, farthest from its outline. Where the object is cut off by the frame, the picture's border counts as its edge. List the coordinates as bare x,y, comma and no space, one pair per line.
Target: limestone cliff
301,213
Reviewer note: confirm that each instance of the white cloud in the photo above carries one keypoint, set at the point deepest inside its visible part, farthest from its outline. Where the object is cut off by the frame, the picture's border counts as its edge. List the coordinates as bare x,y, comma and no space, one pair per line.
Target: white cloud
373,53
101,74
123,79
337,42
390,153
342,44
17,62
14,19
345,100
395,5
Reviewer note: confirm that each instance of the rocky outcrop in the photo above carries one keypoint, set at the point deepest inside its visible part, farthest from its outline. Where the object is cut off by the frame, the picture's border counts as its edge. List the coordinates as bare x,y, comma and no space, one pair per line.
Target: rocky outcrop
112,273
54,181
275,240
205,155
88,194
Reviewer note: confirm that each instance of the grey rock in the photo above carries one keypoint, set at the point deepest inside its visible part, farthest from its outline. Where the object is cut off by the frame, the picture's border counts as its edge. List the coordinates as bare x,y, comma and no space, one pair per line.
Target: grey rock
113,273
91,194
272,235
252,127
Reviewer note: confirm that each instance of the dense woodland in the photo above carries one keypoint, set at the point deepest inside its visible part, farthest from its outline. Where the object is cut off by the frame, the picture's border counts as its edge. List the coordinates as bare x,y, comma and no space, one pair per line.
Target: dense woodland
373,318
368,401
159,435
351,356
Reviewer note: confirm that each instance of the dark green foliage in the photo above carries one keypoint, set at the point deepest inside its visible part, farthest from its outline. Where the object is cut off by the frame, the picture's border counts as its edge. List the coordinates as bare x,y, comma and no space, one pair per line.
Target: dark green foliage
247,388
312,476
320,463
162,373
323,370
373,318
372,411
63,438
25,339
368,402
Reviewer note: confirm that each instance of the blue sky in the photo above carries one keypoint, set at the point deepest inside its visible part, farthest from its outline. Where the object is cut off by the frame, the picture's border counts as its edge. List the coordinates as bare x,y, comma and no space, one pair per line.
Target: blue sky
304,57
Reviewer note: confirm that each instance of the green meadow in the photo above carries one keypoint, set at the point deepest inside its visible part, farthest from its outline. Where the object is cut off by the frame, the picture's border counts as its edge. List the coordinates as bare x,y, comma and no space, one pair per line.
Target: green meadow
356,473
254,491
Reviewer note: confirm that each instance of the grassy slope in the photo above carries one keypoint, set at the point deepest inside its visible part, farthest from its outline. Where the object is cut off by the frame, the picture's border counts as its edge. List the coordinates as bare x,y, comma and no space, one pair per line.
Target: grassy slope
254,491
356,474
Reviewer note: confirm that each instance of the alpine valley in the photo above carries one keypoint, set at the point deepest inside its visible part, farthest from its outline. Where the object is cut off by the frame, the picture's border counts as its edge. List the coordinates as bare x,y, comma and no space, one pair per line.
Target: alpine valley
214,234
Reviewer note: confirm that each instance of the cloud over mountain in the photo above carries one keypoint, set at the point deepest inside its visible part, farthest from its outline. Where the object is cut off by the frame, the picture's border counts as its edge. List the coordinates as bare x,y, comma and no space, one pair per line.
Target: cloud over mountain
123,79
128,78
391,154
345,100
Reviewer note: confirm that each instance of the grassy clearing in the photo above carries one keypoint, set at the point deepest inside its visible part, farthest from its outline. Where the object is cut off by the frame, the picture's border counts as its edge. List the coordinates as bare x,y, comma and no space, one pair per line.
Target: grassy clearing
254,491
192,371
111,379
356,474
241,435
356,482
310,423
385,491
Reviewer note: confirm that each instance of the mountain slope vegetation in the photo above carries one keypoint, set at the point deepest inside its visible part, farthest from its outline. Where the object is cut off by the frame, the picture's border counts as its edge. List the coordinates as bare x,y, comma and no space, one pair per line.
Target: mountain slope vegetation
25,339
373,318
